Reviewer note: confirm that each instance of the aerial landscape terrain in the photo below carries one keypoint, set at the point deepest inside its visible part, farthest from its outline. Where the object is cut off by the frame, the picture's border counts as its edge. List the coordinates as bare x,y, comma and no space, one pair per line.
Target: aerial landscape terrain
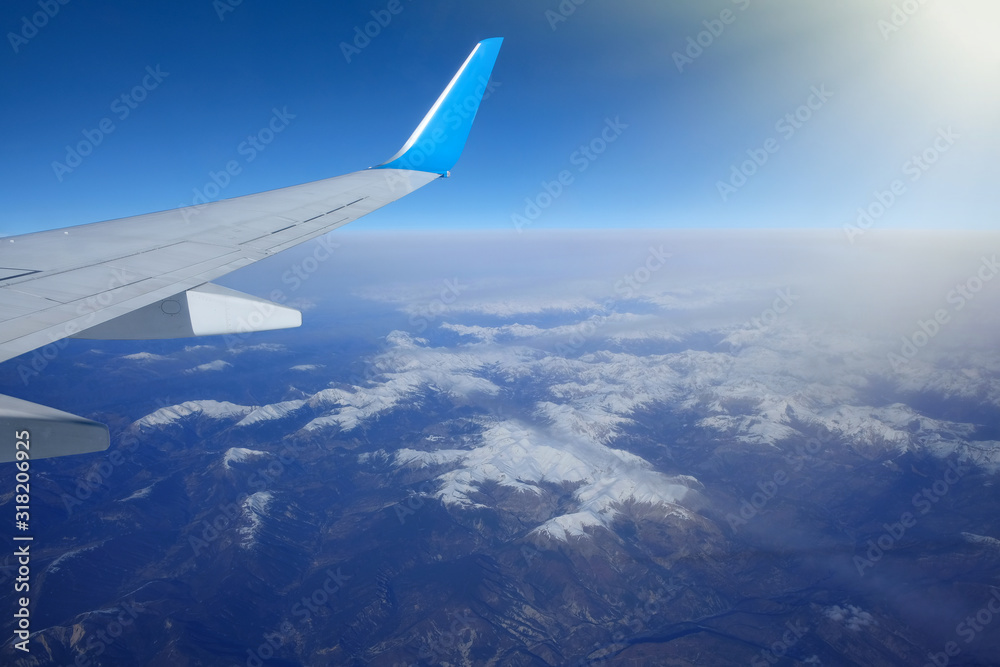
690,359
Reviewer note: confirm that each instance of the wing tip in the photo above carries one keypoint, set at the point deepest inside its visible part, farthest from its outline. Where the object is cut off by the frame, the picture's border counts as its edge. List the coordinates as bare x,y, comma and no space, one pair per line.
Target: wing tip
439,139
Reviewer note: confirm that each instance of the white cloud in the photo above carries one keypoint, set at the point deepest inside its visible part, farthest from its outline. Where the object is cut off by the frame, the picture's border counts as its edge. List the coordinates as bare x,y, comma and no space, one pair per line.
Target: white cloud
853,618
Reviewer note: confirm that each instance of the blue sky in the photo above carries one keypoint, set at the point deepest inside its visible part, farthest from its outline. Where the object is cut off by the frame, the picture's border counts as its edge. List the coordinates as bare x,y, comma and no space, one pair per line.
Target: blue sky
882,88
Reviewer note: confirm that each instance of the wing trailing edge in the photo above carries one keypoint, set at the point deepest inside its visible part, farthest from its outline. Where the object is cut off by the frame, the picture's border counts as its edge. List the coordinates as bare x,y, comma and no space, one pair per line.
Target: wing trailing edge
31,431
206,310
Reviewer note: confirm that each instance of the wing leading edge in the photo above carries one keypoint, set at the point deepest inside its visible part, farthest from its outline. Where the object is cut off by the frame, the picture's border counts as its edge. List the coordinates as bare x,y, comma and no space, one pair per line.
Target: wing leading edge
149,276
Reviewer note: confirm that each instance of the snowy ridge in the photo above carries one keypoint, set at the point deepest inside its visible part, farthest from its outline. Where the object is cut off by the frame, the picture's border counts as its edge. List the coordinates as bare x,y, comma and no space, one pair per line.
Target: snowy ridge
971,375
254,508
596,423
759,393
145,356
212,366
558,403
57,563
983,540
751,430
522,457
240,455
271,412
406,368
206,408
141,493
862,424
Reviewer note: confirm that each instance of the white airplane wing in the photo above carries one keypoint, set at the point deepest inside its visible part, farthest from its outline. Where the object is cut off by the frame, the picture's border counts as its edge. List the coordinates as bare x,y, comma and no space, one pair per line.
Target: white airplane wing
149,276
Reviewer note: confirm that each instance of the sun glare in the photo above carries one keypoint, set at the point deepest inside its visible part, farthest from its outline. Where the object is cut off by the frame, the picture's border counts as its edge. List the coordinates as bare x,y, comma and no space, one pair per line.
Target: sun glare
969,28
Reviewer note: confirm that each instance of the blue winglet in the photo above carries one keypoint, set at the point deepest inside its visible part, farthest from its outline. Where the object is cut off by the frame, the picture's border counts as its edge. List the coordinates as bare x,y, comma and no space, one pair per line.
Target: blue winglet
438,141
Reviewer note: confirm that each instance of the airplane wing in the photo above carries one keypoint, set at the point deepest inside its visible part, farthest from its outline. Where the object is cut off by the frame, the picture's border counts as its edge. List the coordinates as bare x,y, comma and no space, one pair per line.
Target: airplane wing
149,276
